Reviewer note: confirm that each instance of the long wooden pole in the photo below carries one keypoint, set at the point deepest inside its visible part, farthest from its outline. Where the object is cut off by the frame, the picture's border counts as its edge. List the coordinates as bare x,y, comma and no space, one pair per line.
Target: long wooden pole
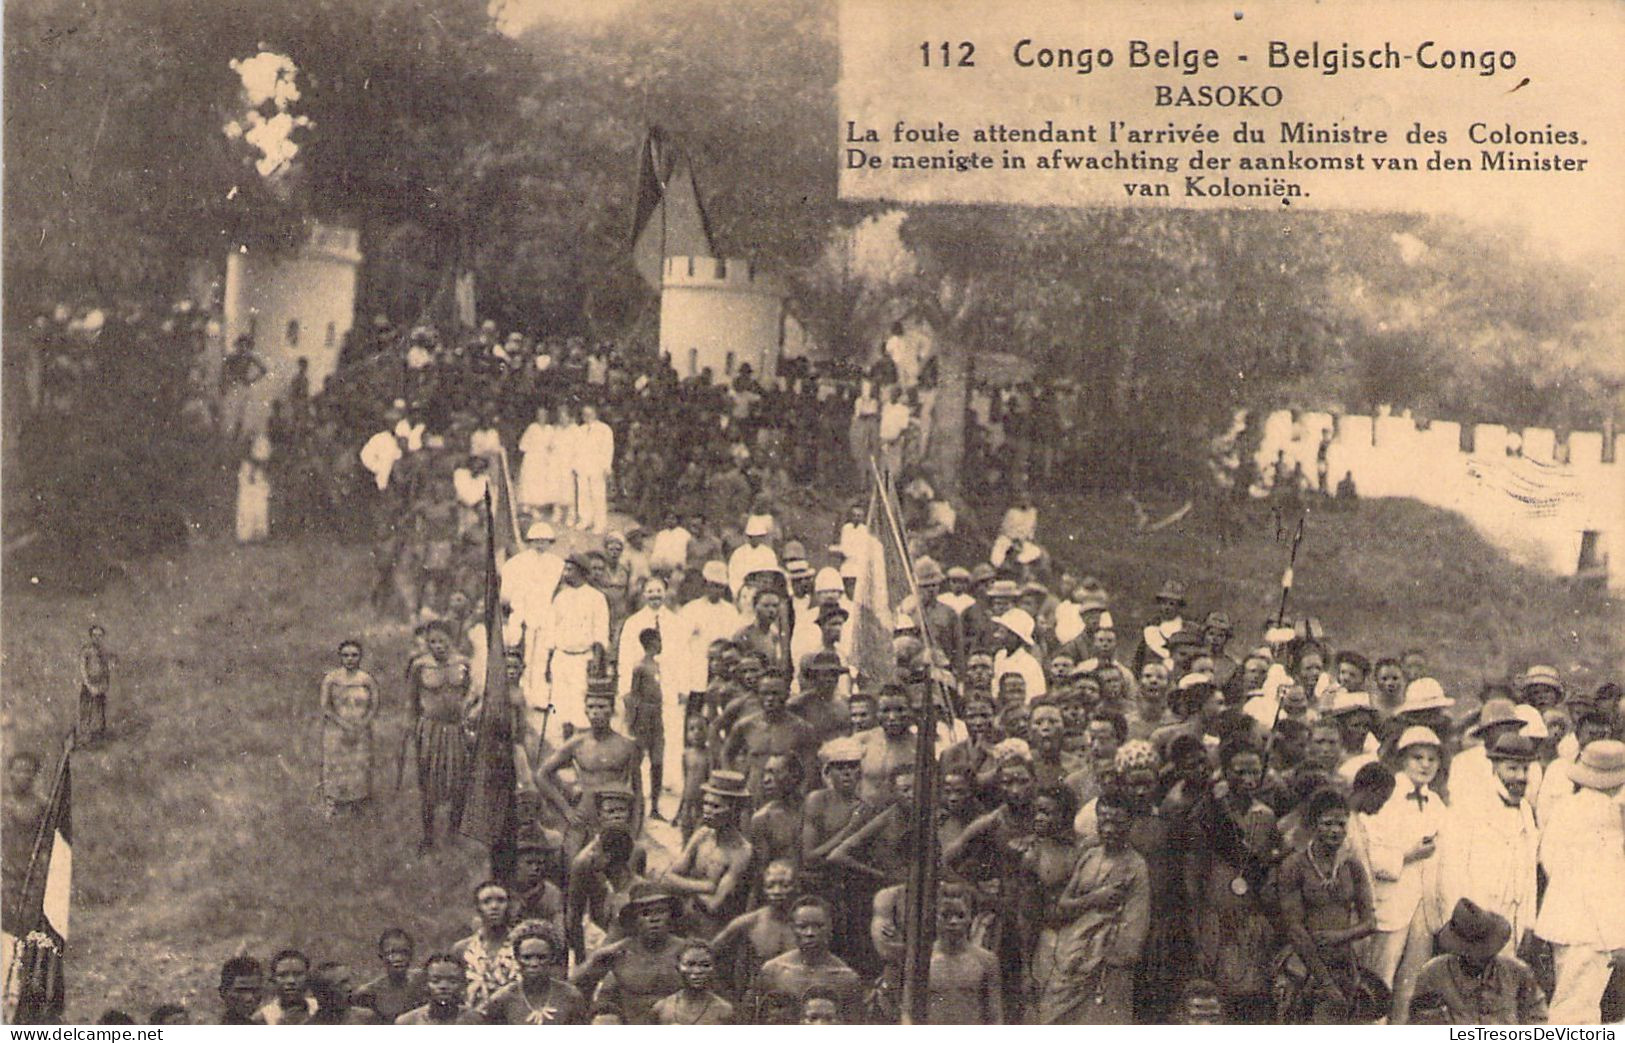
920,918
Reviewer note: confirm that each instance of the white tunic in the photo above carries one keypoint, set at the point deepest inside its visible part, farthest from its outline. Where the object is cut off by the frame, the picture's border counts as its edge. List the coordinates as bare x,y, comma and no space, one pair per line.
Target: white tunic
1583,851
1024,663
702,622
1400,888
1488,855
747,559
529,581
580,619
594,449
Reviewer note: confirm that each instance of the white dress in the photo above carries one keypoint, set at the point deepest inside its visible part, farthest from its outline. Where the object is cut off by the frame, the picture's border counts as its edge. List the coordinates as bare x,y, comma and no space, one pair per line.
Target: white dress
537,467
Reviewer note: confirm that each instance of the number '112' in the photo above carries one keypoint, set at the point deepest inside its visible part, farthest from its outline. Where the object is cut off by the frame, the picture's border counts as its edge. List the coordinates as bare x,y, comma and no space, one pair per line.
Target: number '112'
945,51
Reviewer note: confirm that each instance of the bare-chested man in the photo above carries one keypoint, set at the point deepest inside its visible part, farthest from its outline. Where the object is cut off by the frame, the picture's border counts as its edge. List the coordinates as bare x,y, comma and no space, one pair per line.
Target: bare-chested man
743,702
888,749
761,934
601,757
880,851
810,964
602,875
713,865
830,816
965,987
636,972
820,703
775,828
774,731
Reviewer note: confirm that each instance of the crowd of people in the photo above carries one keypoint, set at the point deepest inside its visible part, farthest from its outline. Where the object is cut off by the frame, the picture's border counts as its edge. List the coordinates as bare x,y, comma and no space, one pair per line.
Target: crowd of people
1171,827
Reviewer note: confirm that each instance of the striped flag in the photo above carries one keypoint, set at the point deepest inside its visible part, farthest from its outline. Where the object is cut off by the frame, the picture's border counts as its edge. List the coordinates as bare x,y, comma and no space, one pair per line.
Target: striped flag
35,991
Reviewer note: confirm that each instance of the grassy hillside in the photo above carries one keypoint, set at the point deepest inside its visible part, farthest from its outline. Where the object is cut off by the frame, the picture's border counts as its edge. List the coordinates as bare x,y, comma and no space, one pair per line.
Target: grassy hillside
197,824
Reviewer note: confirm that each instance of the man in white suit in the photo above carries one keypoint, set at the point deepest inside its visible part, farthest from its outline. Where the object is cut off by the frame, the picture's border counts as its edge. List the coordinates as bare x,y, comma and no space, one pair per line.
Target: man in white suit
595,459
1488,851
1583,851
529,580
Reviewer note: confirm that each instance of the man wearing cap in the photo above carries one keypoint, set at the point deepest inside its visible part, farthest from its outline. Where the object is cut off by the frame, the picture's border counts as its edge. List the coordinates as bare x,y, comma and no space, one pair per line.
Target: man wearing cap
1014,655
1472,776
1541,687
947,632
579,620
1475,980
819,700
1169,621
643,963
977,617
1404,836
712,866
1183,648
1589,726
1490,842
531,577
801,575
957,596
807,636
1582,849
1356,723
754,555
706,620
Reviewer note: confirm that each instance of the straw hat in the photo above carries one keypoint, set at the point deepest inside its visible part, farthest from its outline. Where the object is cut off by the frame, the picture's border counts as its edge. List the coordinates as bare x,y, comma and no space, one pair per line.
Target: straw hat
715,572
841,750
1601,765
1541,675
540,531
1173,590
1424,693
729,784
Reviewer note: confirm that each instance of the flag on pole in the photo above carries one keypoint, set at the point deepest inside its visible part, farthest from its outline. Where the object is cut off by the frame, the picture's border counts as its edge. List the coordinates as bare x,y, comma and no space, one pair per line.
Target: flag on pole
492,814
668,220
919,925
35,989
873,622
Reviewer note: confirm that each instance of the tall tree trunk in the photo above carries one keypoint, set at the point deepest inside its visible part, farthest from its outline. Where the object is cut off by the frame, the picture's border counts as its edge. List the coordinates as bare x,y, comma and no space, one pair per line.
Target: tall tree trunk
946,453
